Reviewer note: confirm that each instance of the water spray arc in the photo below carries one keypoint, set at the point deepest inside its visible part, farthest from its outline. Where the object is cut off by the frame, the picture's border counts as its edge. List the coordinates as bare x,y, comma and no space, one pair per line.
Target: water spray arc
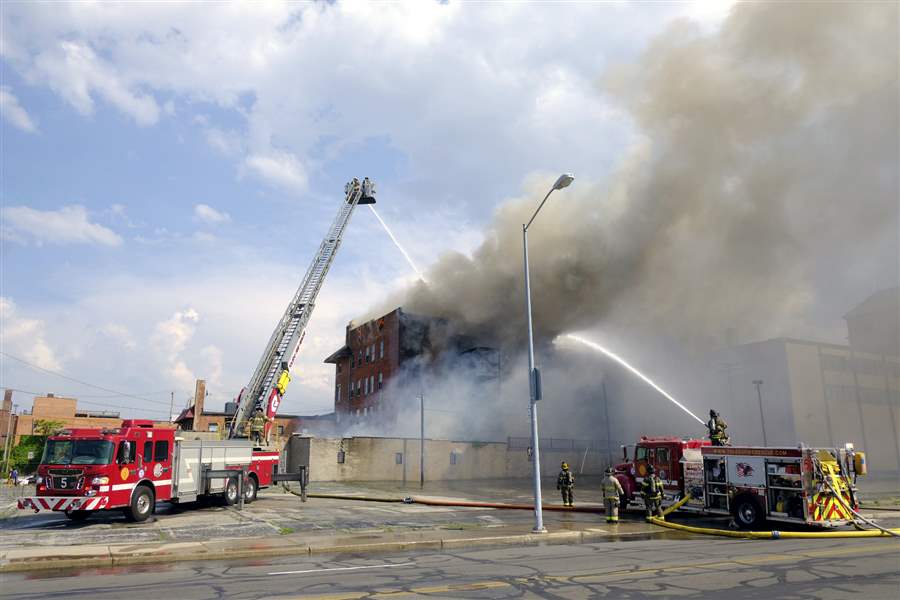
624,363
396,243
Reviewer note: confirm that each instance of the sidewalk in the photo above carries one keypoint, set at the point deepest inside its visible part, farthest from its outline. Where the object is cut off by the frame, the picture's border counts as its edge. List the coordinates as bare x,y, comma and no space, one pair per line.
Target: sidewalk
279,524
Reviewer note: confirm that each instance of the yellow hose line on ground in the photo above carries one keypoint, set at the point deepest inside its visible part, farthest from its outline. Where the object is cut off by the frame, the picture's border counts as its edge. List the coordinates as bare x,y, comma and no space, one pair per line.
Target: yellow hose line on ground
677,505
771,535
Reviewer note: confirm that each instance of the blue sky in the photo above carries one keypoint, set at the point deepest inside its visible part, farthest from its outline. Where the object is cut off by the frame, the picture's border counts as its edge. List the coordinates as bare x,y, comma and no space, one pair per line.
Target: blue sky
168,170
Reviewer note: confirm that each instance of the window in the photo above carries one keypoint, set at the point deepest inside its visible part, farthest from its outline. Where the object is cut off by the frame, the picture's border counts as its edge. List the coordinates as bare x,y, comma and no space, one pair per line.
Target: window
352,362
125,453
372,383
148,451
366,385
381,351
337,393
77,452
281,430
380,380
662,455
161,451
357,412
366,411
453,458
640,453
398,458
213,427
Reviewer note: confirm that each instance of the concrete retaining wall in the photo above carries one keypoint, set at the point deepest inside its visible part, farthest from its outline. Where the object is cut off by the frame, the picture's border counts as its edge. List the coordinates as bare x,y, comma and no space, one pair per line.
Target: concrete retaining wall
397,459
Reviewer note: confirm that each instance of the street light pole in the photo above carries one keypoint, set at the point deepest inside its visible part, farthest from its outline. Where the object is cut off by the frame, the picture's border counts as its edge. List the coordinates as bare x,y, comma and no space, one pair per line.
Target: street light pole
762,419
534,382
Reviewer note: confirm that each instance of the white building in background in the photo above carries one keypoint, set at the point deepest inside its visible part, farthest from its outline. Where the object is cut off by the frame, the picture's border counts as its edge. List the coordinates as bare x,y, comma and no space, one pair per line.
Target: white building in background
817,393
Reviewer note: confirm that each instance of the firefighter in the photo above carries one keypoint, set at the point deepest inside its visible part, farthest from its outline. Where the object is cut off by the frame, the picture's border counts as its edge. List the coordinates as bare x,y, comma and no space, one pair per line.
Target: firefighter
258,427
717,426
565,483
651,491
612,491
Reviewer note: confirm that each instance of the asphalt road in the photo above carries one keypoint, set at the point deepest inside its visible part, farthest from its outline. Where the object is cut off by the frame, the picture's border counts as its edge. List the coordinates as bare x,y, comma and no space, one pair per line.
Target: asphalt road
703,567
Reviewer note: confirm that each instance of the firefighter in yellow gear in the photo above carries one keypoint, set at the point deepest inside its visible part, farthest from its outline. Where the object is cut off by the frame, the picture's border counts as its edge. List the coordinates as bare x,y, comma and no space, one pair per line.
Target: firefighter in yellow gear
565,483
651,492
258,427
612,492
716,427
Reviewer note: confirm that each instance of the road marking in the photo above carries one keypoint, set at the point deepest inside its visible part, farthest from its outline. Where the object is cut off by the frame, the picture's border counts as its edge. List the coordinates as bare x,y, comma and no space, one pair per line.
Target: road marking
441,589
385,566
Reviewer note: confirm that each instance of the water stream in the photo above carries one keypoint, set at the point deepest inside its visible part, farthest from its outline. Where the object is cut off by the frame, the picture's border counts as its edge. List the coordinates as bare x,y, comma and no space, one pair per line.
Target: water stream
624,363
396,243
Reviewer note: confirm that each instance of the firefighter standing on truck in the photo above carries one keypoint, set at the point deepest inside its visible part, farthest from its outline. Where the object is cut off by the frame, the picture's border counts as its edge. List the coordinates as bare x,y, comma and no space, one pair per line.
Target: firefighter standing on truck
612,491
651,491
717,426
565,483
257,427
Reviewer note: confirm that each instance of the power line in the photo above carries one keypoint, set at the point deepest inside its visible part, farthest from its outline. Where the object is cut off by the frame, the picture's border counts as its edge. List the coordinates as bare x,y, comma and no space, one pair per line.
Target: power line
99,387
80,401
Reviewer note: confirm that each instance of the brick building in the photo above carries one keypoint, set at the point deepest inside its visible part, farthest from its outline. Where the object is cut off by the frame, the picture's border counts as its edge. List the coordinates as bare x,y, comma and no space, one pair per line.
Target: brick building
62,410
397,348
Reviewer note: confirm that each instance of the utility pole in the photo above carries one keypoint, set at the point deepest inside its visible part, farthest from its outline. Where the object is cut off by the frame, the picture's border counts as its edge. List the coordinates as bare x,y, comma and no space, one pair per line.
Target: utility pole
7,446
762,419
421,441
171,405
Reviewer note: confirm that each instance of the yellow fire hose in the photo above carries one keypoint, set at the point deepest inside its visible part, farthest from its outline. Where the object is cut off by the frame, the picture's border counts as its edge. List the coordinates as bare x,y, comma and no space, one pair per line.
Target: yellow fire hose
765,535
755,535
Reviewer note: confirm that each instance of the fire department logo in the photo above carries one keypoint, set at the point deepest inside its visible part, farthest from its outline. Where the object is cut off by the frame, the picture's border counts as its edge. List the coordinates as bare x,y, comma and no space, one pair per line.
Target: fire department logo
157,470
124,473
141,473
744,470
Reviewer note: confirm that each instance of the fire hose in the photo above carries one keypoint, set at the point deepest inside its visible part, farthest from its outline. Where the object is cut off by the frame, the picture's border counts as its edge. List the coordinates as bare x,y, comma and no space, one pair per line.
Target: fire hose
760,535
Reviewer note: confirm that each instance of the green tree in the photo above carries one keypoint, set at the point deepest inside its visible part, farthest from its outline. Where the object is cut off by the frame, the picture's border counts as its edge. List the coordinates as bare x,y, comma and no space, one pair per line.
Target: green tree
45,427
18,457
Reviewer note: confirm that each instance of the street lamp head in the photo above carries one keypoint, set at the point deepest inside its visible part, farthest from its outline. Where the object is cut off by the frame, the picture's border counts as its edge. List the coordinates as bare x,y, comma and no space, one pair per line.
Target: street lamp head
563,181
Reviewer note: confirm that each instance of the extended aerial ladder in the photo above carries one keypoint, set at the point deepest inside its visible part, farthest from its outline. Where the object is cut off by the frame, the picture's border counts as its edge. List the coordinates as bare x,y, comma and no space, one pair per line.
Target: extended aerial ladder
269,382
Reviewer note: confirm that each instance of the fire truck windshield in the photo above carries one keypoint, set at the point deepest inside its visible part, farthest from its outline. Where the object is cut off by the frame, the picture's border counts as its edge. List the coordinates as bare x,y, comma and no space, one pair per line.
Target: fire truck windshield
77,452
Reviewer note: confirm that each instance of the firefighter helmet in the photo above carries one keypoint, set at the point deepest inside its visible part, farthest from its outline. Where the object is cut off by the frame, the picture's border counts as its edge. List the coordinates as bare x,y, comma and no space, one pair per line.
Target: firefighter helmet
565,466
651,470
609,470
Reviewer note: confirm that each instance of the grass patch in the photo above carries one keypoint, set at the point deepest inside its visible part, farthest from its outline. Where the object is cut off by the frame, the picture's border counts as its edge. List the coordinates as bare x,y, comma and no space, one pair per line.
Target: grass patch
285,530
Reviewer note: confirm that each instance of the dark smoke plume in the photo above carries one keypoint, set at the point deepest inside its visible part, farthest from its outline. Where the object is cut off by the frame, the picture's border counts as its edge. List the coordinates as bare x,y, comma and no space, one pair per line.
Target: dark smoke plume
762,197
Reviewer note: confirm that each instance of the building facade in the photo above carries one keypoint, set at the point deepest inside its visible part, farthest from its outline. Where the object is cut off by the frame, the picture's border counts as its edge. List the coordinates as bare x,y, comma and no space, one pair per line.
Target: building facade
787,391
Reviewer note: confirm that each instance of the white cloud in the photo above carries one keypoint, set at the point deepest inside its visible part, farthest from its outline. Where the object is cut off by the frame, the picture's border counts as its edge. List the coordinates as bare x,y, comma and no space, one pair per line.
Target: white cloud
169,341
12,111
205,213
278,168
68,225
25,337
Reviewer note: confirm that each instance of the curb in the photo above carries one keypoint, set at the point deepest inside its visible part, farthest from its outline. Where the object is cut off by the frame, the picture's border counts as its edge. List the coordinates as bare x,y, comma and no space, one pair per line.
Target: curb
112,556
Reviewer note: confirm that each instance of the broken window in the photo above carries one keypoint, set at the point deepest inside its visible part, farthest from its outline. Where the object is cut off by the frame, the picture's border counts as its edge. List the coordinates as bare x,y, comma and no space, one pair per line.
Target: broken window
380,381
381,350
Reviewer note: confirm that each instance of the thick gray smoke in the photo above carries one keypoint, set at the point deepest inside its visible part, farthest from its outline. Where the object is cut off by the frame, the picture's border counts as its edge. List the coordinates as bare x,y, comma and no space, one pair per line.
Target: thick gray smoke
762,199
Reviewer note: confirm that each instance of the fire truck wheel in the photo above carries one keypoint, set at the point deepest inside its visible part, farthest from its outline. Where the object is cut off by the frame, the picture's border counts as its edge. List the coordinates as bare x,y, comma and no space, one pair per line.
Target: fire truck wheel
141,505
78,515
747,513
250,488
231,492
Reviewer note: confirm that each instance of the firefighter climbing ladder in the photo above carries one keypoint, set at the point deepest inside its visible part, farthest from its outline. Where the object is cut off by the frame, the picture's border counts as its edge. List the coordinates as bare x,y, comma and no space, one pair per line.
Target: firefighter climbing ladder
267,384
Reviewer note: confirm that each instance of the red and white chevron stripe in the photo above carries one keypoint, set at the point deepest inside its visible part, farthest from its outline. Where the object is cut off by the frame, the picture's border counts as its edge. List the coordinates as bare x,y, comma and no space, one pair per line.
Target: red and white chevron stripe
39,503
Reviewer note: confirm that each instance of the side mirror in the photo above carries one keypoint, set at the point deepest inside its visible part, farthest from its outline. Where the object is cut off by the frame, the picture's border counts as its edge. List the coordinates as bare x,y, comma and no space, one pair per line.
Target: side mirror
624,453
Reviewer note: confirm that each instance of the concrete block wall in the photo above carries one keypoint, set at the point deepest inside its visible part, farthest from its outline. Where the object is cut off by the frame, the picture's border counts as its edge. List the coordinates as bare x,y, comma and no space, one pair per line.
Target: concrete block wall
376,459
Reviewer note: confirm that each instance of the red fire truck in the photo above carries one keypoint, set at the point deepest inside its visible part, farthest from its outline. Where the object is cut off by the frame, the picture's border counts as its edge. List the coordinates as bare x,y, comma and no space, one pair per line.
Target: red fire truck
813,486
137,465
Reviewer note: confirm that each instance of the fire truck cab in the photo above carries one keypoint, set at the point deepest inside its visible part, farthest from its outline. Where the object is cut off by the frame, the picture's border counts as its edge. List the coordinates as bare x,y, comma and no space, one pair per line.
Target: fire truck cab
665,454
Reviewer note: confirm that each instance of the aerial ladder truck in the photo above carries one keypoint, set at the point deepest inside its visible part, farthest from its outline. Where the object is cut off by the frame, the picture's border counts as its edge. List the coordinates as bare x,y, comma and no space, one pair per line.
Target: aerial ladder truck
273,373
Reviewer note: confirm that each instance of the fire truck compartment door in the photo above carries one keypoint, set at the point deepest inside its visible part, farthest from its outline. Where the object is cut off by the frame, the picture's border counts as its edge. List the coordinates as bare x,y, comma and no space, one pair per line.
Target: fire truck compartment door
187,469
747,471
